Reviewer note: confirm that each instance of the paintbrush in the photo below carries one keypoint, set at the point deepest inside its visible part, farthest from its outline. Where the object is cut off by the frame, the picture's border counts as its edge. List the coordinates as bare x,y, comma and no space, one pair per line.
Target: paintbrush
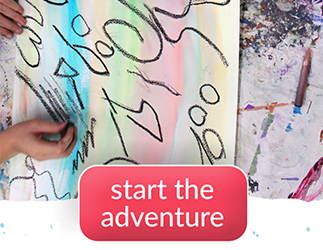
303,79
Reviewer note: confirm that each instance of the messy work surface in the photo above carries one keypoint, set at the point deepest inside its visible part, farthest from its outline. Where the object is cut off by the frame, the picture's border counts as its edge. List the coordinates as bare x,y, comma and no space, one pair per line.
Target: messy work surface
279,145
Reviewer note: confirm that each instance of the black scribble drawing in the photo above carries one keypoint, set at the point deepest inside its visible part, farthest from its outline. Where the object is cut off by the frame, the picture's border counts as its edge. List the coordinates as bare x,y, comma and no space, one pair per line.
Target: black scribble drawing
30,166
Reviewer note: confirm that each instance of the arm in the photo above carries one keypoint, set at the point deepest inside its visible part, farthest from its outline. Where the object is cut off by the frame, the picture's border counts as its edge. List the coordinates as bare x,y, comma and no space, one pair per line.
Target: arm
27,137
10,15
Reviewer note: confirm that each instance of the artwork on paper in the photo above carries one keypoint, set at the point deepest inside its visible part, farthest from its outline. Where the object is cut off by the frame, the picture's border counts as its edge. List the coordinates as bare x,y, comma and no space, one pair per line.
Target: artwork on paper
145,82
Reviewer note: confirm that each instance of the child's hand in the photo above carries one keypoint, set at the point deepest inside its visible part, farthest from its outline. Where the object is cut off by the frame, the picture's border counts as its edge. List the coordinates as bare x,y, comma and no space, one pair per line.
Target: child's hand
10,15
27,137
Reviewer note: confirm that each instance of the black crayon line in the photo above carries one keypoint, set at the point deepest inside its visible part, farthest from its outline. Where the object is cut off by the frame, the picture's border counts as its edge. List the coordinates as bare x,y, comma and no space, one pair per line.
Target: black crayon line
59,65
89,136
78,96
53,186
139,111
203,144
58,106
86,24
75,108
51,102
204,37
121,159
25,59
222,153
41,23
74,46
199,144
57,84
59,96
60,103
32,168
119,134
203,98
159,138
109,100
107,46
55,3
172,15
226,2
29,83
191,117
145,19
157,83
187,8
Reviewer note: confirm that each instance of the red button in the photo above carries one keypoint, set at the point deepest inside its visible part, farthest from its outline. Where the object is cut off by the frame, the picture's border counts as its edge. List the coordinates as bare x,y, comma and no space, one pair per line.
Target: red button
123,203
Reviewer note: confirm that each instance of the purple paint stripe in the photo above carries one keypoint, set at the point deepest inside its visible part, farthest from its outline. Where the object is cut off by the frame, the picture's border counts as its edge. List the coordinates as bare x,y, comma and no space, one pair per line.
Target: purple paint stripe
5,60
249,107
290,179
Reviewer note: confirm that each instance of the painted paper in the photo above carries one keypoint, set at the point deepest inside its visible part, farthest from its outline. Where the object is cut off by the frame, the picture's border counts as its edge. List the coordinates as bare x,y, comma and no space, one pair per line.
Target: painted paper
145,82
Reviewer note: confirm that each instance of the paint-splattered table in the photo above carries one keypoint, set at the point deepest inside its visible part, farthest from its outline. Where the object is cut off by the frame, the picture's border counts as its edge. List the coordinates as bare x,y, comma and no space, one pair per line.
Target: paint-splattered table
278,144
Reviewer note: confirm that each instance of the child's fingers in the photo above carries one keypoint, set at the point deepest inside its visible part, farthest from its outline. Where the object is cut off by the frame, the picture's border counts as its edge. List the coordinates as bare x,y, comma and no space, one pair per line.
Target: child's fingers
12,5
44,150
5,23
12,14
71,146
39,126
68,138
6,33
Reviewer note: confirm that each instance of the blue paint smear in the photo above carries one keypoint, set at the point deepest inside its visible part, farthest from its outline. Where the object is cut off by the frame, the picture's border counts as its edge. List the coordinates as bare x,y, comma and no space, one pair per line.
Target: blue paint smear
3,177
308,229
1,225
289,128
297,110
